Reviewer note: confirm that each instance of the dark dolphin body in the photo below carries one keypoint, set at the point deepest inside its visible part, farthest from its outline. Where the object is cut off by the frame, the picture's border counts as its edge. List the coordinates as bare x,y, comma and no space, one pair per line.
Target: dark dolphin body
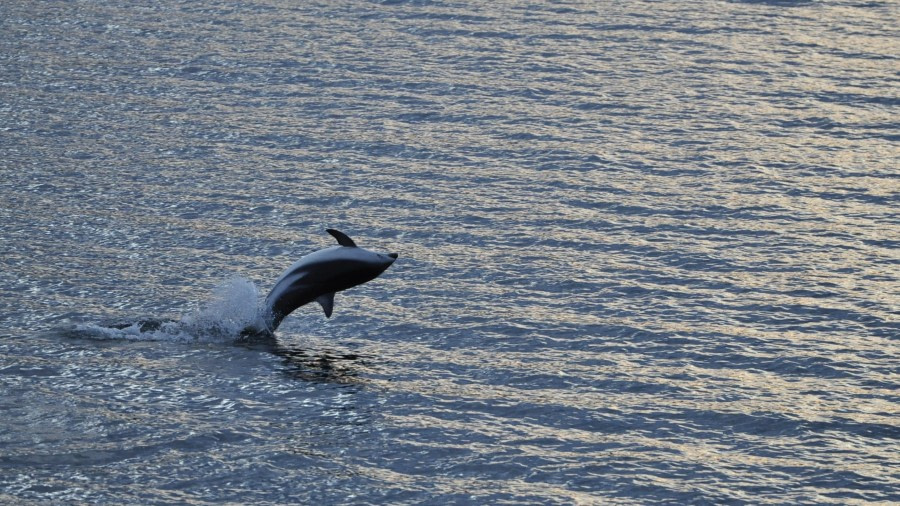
317,277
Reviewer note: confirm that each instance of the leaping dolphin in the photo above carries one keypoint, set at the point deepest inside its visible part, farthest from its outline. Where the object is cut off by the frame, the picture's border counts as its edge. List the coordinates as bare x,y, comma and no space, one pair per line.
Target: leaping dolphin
318,276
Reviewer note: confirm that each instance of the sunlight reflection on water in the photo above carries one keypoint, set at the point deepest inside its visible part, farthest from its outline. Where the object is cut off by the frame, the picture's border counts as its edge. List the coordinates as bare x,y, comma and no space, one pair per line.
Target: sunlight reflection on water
647,251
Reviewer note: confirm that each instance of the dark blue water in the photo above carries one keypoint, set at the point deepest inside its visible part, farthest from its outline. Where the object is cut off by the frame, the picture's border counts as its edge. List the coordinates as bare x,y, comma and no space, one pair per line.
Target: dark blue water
648,252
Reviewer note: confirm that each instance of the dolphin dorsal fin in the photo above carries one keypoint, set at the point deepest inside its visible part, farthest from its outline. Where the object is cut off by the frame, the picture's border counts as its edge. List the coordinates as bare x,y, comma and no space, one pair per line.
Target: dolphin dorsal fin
341,237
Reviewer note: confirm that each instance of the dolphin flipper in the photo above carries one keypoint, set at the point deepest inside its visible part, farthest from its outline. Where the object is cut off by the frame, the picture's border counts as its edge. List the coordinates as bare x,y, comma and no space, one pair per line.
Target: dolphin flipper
341,237
327,303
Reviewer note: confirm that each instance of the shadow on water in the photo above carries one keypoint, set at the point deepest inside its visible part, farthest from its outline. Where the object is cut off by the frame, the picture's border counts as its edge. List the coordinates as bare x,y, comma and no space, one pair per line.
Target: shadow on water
306,365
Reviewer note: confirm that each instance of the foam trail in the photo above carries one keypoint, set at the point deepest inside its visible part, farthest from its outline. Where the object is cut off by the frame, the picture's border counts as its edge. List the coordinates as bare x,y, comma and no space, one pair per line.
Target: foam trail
234,306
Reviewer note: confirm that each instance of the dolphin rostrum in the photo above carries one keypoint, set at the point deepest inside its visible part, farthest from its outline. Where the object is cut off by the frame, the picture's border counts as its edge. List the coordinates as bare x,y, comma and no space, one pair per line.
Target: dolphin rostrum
318,276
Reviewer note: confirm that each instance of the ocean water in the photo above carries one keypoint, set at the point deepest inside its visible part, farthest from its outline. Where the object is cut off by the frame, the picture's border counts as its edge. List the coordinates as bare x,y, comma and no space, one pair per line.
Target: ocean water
648,251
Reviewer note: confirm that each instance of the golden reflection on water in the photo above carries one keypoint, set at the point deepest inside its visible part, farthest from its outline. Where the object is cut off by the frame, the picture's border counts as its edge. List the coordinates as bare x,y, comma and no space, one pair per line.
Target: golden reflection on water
693,387
683,217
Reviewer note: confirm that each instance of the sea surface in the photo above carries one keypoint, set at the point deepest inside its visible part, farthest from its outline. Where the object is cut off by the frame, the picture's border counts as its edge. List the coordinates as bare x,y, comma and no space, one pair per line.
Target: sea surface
649,251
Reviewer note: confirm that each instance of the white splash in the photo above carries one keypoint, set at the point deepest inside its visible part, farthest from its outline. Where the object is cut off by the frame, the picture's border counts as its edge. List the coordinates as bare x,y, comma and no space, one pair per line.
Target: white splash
234,306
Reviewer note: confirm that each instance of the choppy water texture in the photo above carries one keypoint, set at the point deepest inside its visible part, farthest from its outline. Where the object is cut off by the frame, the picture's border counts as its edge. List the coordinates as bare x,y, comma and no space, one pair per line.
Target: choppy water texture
649,251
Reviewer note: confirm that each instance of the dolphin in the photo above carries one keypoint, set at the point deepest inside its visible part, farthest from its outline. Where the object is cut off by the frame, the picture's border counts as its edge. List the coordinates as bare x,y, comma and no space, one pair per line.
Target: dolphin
317,277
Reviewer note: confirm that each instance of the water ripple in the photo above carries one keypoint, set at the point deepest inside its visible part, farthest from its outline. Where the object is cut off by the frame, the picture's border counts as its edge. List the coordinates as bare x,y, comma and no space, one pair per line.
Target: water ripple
647,252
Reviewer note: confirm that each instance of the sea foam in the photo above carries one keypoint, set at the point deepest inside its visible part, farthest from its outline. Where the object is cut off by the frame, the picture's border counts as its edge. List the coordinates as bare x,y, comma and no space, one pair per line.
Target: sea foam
233,307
